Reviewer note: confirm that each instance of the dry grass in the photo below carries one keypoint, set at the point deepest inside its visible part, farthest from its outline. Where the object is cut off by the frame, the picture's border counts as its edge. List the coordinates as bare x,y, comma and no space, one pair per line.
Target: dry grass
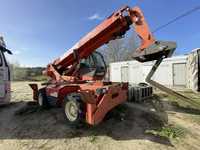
21,91
25,126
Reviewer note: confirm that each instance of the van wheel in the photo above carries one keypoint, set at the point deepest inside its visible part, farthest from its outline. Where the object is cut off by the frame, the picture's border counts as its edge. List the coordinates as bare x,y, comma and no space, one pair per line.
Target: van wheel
42,98
73,109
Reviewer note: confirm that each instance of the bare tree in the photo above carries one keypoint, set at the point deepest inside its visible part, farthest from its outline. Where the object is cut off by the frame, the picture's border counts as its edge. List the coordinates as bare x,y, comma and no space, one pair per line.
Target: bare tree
119,49
131,45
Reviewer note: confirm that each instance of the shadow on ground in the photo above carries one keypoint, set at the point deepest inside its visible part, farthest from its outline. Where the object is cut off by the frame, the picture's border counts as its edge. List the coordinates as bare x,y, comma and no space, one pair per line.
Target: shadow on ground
22,120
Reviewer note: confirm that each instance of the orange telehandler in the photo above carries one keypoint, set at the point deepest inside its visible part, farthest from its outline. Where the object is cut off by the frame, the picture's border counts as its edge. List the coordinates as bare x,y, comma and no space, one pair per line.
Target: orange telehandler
76,79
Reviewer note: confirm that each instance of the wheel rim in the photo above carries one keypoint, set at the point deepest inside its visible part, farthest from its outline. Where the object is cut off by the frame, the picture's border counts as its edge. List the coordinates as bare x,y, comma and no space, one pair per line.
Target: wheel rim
71,111
40,100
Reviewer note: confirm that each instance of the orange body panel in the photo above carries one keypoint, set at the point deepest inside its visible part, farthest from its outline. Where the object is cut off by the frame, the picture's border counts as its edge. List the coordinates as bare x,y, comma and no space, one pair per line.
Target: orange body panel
114,97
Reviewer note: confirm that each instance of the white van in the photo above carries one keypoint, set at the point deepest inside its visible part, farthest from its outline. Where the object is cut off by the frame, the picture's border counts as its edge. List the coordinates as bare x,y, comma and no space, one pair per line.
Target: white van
5,89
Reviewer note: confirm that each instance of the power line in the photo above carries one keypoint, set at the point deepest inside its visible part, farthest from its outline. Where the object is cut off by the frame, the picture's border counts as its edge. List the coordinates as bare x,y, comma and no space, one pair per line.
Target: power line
177,18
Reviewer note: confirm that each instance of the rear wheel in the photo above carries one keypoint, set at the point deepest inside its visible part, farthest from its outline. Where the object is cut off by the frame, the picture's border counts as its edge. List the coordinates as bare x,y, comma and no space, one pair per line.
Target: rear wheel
73,109
42,98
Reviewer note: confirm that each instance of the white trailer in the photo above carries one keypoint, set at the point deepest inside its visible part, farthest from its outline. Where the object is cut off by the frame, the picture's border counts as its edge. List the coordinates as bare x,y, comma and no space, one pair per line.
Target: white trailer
5,90
172,72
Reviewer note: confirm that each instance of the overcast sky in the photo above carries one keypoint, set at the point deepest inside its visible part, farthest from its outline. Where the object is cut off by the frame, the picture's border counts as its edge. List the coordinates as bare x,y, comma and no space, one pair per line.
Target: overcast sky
39,31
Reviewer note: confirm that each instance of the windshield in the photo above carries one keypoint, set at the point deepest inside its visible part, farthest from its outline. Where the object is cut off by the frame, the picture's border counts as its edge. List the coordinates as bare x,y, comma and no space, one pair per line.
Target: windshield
94,61
94,65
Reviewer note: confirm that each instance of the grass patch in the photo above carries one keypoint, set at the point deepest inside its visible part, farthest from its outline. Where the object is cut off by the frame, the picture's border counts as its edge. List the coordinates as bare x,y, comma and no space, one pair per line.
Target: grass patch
177,102
195,118
172,99
38,78
170,132
93,139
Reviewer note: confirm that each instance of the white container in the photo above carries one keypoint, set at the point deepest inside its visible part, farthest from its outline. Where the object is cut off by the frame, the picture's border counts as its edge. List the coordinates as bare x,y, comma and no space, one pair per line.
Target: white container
171,72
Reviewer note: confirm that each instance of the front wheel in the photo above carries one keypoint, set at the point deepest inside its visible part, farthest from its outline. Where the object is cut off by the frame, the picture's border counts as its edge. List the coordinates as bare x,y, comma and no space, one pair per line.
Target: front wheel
73,109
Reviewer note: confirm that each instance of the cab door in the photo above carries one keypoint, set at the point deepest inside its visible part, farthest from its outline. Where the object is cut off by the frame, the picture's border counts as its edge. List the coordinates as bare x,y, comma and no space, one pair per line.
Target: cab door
2,77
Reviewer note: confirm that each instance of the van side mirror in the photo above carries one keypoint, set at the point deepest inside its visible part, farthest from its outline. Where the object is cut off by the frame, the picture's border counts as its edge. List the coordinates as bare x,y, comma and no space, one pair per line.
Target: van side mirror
9,52
5,50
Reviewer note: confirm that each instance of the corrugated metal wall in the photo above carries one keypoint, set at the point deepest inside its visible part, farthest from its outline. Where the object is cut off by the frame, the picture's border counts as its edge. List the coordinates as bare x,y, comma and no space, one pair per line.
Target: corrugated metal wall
193,70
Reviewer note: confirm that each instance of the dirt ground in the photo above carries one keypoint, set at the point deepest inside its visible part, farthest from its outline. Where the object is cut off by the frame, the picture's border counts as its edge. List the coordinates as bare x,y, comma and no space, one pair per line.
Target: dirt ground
25,126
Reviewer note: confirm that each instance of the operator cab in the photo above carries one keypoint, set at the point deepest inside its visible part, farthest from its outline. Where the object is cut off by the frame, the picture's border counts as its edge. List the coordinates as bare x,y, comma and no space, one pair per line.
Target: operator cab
94,66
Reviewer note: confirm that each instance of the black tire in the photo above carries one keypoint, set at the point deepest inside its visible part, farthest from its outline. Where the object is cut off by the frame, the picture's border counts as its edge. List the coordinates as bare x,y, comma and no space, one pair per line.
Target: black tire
73,109
42,99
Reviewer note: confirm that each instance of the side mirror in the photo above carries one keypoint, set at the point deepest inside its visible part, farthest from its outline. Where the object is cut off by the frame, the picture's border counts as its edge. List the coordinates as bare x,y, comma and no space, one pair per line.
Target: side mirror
9,52
5,50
